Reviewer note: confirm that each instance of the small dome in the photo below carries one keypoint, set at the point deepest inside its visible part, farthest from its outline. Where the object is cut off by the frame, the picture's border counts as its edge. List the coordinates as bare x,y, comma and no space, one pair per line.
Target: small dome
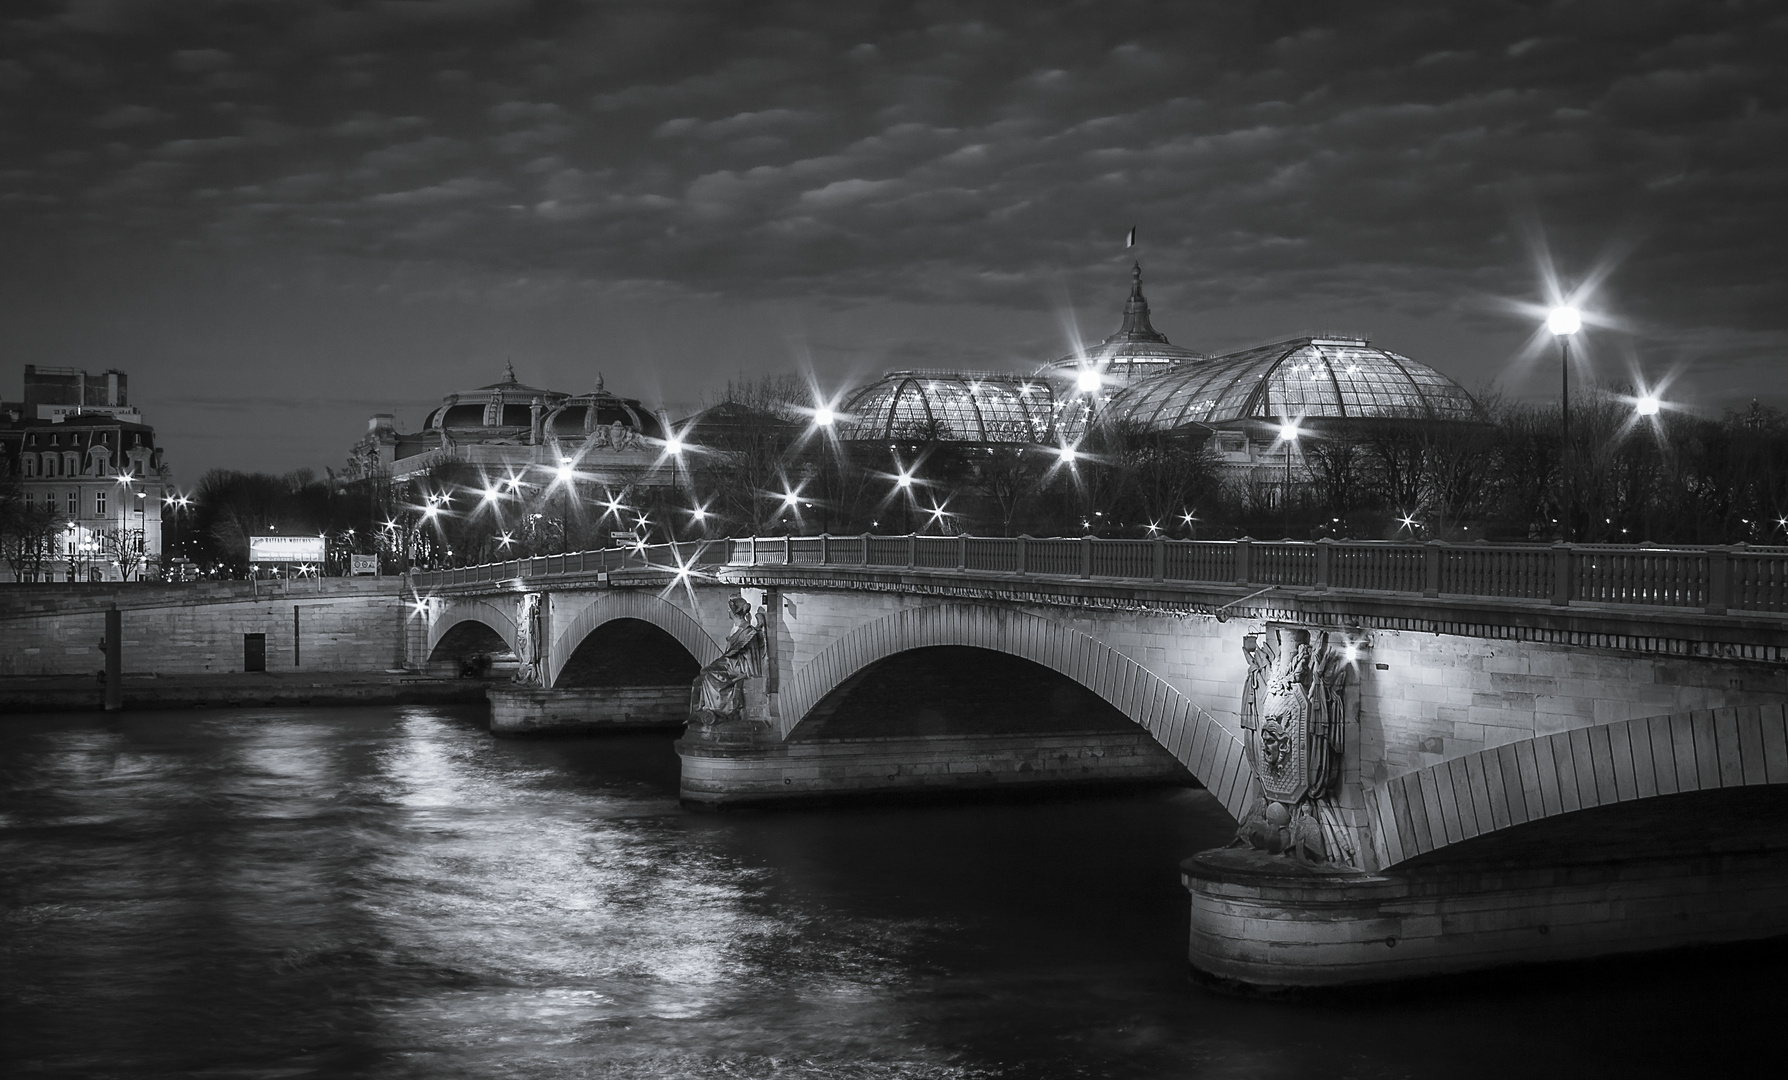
952,406
501,405
1136,350
1306,377
582,414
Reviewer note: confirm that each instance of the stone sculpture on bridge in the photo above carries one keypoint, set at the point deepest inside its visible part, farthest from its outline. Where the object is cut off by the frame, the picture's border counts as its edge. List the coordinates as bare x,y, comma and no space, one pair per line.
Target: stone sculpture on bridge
528,640
1293,714
719,691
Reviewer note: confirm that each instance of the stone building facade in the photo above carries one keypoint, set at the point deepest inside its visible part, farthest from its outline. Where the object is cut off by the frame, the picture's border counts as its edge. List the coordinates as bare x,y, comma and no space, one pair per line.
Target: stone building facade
88,473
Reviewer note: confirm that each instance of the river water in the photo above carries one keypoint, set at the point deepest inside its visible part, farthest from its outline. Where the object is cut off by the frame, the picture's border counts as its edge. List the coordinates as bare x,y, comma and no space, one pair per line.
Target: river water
389,892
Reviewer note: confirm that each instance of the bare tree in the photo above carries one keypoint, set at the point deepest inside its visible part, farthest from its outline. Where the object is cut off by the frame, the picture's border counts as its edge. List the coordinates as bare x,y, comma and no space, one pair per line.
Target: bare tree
28,531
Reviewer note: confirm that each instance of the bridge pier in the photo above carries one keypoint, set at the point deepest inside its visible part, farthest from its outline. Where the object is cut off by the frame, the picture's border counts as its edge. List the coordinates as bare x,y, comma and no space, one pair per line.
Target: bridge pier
531,710
1264,924
727,766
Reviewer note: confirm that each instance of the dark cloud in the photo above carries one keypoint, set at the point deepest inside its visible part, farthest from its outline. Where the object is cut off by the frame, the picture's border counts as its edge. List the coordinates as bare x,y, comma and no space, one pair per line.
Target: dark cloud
1290,166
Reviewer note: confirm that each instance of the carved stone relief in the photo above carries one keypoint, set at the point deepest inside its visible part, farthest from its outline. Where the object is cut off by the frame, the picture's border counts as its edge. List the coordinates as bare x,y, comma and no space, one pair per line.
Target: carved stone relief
1294,716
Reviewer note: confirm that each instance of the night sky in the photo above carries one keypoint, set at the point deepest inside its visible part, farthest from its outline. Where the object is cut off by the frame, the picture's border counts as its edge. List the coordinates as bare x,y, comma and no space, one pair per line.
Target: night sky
281,216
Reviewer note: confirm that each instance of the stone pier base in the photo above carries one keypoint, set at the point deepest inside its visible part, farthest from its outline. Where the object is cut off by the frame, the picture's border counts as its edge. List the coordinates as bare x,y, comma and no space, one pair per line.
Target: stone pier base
742,764
519,710
1262,923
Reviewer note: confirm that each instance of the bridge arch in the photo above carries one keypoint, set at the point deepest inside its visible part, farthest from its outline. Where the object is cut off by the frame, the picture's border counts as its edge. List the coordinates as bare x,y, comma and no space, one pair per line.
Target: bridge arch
1208,749
471,609
643,606
1549,775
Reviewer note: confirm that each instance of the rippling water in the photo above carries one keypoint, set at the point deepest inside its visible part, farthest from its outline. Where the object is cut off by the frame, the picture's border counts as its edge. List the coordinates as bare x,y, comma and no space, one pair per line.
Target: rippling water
389,892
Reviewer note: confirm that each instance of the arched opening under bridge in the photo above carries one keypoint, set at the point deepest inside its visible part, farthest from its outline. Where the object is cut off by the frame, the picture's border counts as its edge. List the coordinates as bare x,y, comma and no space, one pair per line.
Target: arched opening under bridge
967,718
629,652
473,649
957,690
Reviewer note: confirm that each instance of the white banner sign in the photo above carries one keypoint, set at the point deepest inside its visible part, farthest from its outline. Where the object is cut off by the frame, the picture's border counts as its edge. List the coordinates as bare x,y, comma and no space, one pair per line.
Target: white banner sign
364,564
285,549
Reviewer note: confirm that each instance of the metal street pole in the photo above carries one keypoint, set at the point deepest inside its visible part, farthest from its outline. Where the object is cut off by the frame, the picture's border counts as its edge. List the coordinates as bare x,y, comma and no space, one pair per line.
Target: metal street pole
1563,321
1564,417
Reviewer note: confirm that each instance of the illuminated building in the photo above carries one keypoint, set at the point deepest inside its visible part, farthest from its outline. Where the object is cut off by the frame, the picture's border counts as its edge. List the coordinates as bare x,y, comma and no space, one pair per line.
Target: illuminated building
89,474
510,429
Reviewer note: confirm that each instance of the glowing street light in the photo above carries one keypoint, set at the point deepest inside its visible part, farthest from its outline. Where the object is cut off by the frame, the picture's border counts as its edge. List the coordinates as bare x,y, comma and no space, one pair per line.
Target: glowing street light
1088,381
564,472
1564,320
903,480
1648,405
1067,454
823,416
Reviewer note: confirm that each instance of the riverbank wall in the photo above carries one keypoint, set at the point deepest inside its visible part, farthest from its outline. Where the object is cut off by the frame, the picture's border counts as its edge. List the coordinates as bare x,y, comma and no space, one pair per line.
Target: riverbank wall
332,626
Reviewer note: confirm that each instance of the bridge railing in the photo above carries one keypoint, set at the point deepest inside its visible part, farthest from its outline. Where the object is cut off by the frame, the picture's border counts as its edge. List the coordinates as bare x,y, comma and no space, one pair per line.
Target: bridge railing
1714,579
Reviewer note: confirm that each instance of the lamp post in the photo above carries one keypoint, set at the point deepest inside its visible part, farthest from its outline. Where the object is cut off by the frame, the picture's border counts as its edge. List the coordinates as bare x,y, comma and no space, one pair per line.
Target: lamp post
1563,321
1288,434
142,533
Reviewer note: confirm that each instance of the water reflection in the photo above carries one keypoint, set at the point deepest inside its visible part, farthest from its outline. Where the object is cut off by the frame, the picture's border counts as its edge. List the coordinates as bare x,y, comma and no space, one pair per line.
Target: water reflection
389,892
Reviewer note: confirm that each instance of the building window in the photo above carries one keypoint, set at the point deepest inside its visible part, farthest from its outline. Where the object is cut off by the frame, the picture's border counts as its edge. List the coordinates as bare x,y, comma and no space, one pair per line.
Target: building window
99,504
74,503
49,464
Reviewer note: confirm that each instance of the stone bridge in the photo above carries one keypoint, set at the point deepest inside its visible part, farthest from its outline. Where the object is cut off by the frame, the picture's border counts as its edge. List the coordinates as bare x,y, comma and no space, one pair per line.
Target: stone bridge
1488,688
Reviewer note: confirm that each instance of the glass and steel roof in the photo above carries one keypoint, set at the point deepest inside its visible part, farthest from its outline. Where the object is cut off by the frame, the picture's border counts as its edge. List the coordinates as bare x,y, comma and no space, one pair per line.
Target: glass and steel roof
952,406
1340,378
1135,350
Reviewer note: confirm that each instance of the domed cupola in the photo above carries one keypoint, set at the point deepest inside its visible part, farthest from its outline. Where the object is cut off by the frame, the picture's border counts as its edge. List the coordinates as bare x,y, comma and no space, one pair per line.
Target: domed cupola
1136,350
595,414
502,409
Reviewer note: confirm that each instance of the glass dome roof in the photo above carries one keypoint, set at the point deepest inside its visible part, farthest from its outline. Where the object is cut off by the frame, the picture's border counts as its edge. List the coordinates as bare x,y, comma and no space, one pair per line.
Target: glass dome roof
954,406
1304,378
1135,350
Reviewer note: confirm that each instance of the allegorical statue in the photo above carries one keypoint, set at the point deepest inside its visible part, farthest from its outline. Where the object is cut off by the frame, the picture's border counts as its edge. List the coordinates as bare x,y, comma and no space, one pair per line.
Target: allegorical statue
527,640
719,691
1293,712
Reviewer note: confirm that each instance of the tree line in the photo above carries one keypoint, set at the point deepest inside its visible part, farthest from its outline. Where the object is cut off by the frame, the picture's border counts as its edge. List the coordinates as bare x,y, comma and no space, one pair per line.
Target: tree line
757,463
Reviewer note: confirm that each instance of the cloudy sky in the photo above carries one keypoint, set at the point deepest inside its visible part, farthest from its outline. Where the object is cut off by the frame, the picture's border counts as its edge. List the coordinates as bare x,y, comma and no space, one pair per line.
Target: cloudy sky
280,216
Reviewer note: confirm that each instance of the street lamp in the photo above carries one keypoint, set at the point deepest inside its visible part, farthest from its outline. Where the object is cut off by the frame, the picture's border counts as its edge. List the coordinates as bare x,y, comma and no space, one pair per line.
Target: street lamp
142,532
1648,405
1288,434
1563,321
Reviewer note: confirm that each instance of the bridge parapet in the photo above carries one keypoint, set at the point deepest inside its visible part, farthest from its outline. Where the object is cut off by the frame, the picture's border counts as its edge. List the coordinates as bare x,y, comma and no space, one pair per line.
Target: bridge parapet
1713,580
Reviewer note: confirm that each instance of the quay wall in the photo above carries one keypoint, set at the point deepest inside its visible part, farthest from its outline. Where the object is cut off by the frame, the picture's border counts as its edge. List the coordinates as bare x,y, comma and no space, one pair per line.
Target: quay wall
332,625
